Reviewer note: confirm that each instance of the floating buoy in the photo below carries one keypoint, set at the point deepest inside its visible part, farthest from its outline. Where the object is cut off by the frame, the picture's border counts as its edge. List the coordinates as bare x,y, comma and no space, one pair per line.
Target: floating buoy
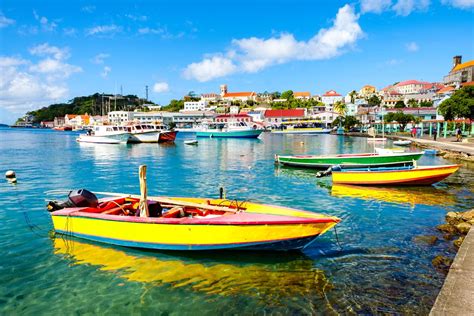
10,175
302,143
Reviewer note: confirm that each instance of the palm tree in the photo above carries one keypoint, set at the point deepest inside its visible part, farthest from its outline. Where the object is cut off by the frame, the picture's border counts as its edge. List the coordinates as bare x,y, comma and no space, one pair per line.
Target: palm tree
353,95
340,108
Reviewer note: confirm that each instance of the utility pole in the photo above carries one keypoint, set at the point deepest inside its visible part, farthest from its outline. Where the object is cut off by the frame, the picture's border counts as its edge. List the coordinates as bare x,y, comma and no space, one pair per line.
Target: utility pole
146,89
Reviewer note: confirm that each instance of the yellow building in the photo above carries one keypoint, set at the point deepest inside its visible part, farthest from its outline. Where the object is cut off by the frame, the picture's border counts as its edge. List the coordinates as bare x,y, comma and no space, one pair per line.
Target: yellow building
367,90
461,73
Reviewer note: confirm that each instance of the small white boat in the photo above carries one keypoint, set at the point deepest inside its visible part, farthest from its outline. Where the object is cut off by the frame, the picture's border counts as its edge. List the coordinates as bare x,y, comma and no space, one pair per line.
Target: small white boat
233,129
105,134
376,139
402,142
191,142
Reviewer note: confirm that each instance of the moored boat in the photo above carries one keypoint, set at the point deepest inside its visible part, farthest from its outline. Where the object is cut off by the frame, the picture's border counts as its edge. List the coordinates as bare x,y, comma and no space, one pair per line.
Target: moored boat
150,133
401,142
349,160
408,175
188,223
232,129
105,134
302,126
191,142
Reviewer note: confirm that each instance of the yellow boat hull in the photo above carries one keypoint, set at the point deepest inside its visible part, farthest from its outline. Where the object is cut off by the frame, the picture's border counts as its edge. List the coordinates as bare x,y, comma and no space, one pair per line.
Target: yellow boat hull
415,176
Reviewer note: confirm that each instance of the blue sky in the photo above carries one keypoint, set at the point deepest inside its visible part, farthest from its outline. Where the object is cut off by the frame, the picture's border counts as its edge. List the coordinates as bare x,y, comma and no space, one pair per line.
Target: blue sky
52,51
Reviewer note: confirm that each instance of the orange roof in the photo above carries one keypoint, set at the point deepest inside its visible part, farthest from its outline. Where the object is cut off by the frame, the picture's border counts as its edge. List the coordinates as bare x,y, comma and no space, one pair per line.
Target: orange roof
445,89
331,93
463,65
238,94
71,116
469,83
301,94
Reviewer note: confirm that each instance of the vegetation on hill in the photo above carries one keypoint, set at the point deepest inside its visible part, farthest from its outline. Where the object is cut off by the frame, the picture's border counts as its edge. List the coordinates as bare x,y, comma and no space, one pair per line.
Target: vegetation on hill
96,104
174,106
459,105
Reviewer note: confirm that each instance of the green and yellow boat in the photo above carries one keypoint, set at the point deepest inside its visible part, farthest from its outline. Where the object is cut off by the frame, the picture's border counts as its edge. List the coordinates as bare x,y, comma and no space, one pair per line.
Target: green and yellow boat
349,160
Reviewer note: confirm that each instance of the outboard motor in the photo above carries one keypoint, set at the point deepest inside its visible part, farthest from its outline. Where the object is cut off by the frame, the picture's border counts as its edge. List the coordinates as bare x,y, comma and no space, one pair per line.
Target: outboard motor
76,198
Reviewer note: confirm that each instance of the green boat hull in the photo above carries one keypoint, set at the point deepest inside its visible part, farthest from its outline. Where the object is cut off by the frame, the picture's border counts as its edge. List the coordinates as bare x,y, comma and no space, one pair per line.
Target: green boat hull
347,161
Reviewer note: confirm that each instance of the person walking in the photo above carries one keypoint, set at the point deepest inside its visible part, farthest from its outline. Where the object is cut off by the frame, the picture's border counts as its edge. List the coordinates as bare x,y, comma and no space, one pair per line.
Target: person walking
458,134
413,132
435,133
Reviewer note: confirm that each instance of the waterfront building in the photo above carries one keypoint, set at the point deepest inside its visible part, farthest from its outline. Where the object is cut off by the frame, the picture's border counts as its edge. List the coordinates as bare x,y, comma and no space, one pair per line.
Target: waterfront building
195,105
367,91
460,74
257,116
47,124
224,118
120,117
58,121
237,96
275,117
98,119
329,98
424,113
302,95
75,120
325,117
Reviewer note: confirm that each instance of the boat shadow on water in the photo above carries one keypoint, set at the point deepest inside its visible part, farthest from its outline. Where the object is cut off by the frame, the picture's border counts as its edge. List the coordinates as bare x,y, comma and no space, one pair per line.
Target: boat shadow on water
267,277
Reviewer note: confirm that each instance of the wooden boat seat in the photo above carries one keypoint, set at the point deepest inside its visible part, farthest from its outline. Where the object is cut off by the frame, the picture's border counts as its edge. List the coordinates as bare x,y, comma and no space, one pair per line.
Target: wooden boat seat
174,212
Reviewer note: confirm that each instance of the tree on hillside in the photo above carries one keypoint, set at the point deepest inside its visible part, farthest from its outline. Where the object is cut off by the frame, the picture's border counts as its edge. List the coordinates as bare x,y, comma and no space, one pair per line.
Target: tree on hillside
374,101
287,94
353,95
174,106
459,105
412,103
399,105
426,104
276,95
401,118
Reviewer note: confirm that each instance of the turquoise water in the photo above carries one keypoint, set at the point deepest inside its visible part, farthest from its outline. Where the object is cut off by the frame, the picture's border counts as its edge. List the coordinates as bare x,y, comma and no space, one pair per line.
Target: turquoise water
373,265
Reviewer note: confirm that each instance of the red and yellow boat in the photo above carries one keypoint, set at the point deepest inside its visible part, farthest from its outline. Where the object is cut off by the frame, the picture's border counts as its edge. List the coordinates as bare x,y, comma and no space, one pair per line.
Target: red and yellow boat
189,223
409,175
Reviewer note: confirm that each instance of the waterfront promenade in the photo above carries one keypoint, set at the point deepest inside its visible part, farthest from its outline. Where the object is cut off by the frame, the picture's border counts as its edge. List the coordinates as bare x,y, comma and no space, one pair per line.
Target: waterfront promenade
442,143
457,295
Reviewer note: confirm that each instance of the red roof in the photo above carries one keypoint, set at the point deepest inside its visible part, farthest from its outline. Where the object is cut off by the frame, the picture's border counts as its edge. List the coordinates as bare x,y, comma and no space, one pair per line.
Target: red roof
301,94
238,94
232,115
445,89
285,113
469,83
331,93
409,82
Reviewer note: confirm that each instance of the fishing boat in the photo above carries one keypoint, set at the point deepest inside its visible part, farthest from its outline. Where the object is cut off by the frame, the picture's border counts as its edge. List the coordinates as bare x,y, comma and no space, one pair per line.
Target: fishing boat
233,129
150,133
302,126
63,128
402,142
397,176
349,160
105,134
185,223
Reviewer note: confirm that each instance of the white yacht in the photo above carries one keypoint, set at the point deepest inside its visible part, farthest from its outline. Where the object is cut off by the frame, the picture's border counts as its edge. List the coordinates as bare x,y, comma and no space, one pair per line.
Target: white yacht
150,133
106,134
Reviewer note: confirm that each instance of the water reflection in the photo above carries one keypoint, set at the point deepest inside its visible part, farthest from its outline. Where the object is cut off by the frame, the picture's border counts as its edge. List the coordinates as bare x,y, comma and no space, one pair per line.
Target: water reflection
283,276
410,195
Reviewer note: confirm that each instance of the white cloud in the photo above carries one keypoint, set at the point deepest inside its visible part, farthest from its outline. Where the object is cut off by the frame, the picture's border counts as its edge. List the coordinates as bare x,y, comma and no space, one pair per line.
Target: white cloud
405,7
99,58
161,87
254,54
374,6
105,72
47,50
88,9
461,4
46,25
26,85
412,47
4,21
104,30
134,17
210,68
147,30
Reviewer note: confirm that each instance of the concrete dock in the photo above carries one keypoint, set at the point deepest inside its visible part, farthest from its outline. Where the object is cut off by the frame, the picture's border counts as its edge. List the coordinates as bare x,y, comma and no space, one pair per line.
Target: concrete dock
443,143
457,294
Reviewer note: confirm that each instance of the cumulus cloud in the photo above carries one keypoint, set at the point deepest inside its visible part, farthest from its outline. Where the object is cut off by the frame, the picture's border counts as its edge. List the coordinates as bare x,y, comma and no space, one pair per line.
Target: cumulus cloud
405,7
161,87
461,4
4,21
104,30
99,58
46,24
105,72
412,47
374,6
26,84
47,50
254,54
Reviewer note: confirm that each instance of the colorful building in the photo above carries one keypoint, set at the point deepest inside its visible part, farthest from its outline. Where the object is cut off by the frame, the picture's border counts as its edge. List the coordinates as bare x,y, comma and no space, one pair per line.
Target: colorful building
460,74
275,117
329,98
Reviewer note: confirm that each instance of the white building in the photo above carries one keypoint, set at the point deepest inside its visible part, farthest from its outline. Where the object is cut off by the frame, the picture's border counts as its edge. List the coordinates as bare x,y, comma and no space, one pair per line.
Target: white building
329,98
234,109
195,105
325,117
120,117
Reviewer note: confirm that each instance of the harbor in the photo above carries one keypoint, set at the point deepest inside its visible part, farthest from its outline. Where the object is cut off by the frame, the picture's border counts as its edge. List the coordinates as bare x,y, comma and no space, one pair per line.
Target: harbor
351,267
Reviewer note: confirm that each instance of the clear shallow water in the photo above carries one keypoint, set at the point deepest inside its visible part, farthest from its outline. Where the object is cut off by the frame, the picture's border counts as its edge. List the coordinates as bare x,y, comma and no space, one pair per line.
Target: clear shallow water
379,269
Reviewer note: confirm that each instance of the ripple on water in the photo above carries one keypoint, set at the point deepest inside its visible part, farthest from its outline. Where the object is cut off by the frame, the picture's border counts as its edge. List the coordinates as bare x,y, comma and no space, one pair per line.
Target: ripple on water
373,267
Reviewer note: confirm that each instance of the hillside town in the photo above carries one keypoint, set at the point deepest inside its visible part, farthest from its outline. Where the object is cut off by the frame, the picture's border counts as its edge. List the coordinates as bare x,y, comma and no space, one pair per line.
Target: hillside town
367,105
